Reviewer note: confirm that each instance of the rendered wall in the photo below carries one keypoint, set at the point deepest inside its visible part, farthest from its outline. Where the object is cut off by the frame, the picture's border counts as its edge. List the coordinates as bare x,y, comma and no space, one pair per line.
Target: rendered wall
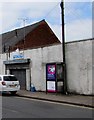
2,67
39,57
79,67
78,63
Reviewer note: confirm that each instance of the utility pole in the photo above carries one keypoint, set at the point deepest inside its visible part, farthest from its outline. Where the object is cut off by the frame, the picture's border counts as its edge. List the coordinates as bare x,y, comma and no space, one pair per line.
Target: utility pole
63,48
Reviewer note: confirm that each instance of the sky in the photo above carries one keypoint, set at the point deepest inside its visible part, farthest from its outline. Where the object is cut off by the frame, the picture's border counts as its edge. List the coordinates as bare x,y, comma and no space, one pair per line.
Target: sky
77,16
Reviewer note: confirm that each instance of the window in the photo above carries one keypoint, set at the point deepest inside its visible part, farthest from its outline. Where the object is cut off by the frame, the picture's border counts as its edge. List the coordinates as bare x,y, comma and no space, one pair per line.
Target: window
10,78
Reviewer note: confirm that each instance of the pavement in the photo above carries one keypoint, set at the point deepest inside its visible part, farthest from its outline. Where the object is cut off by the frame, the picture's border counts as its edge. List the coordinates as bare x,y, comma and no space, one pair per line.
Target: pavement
81,100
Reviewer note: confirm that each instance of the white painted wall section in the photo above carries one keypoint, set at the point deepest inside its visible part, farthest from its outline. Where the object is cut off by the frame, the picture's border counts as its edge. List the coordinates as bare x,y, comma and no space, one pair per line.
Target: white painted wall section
78,63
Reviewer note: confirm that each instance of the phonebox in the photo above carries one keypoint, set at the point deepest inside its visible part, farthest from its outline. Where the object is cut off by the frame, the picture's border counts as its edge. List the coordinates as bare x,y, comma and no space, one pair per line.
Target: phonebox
54,77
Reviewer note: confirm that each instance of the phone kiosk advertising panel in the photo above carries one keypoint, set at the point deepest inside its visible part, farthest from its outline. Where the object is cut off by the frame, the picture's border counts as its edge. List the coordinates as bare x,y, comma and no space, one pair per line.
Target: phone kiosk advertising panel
54,74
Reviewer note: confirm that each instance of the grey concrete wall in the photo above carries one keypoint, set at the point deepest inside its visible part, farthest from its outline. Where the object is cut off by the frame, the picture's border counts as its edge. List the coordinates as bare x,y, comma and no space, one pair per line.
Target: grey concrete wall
39,57
78,61
2,67
93,66
79,67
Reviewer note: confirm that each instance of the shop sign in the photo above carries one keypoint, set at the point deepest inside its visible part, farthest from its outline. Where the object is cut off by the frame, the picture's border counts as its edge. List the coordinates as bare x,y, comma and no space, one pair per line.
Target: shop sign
17,55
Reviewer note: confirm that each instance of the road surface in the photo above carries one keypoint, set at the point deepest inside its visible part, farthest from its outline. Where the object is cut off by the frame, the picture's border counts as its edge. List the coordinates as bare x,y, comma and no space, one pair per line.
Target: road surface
20,107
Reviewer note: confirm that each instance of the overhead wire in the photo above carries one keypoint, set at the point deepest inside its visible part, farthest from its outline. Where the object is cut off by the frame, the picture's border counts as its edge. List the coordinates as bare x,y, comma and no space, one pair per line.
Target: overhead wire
51,10
72,14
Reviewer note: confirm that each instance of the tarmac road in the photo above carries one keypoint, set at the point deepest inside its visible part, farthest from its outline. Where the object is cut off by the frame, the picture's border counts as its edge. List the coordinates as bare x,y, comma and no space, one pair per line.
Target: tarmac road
20,107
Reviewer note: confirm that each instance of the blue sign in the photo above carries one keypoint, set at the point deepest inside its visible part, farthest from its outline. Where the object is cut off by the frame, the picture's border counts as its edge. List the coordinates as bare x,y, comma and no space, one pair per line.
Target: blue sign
20,56
17,55
51,72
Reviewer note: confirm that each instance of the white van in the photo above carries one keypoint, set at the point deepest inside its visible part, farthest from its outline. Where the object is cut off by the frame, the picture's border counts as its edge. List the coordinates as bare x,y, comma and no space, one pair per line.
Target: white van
9,83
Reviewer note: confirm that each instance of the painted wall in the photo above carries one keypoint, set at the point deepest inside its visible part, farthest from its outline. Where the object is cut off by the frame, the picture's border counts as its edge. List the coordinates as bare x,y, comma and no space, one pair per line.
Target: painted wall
2,67
78,61
79,67
39,57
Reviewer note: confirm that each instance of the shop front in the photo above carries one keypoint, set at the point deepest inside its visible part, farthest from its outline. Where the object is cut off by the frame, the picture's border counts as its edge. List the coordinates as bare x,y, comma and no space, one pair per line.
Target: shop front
21,68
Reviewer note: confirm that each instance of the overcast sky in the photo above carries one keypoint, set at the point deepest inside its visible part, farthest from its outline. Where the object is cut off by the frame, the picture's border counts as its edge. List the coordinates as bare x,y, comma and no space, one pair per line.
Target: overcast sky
78,16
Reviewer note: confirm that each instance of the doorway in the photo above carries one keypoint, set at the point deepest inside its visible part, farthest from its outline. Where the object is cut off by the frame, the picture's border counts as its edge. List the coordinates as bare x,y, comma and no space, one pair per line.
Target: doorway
21,76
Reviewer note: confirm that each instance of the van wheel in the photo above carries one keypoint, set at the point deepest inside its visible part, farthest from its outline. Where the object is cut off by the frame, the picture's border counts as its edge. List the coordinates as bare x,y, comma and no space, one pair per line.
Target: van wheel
13,92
